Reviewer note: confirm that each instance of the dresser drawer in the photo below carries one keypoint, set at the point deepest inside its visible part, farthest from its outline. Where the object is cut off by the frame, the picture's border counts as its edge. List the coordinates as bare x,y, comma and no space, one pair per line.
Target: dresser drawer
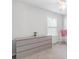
32,40
24,54
27,47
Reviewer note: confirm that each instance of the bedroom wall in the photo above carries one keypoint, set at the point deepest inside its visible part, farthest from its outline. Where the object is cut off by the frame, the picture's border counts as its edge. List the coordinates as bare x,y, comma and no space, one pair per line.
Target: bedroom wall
65,22
28,19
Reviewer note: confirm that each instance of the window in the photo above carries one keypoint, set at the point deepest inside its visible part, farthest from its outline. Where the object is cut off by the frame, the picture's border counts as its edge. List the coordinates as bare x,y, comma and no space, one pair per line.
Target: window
52,26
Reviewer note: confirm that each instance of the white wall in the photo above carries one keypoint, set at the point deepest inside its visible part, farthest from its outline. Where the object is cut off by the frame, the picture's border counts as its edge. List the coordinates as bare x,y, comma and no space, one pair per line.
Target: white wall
28,19
65,22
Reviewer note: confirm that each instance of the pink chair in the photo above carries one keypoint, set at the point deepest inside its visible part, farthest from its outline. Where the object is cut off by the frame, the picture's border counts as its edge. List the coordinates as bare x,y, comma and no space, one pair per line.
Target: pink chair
63,34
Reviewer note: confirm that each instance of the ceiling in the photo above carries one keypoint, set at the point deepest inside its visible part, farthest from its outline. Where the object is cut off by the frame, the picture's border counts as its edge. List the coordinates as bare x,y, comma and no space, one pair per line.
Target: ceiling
50,5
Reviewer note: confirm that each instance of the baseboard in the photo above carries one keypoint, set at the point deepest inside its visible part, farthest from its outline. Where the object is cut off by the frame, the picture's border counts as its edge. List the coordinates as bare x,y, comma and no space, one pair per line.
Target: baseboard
13,54
55,43
60,42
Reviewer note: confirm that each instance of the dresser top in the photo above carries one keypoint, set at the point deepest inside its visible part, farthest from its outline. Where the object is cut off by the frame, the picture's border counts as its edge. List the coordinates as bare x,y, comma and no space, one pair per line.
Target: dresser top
30,37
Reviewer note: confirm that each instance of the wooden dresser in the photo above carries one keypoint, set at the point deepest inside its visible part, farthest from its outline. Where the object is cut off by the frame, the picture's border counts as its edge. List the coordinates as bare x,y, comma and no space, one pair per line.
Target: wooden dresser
26,46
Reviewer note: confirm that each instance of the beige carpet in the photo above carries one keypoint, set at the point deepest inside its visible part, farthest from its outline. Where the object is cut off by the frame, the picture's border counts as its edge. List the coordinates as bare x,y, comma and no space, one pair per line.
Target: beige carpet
58,51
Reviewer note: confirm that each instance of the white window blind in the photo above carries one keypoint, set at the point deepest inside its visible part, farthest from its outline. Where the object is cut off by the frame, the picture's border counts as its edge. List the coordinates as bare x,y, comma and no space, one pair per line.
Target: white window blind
52,26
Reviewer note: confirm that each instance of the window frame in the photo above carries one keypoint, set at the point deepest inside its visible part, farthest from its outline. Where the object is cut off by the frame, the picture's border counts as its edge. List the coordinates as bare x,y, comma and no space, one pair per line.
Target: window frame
51,27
